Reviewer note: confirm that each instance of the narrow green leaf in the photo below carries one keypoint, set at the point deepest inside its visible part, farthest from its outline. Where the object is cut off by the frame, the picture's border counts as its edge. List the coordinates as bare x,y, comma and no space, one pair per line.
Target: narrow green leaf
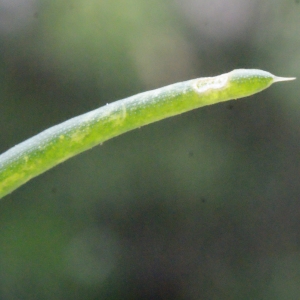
58,143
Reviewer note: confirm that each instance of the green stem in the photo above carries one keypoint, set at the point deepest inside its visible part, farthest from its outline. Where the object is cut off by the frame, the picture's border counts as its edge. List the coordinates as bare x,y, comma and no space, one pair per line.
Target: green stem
60,142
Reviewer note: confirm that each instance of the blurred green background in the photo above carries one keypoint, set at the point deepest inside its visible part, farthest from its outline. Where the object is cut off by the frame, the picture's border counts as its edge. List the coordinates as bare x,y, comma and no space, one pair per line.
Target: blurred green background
205,205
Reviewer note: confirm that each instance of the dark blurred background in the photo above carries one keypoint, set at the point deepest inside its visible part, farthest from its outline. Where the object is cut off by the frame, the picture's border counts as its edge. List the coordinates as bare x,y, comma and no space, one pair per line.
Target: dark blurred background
205,205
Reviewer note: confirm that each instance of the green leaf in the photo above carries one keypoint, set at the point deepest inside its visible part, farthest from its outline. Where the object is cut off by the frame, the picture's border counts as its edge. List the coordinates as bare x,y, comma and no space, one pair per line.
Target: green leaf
58,143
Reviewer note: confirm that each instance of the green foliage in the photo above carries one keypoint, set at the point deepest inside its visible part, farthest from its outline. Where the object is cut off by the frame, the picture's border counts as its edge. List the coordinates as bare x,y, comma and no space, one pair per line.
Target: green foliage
201,206
72,137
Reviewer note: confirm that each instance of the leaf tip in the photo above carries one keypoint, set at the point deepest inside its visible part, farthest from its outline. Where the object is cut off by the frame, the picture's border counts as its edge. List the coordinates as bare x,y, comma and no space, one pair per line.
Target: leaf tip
278,79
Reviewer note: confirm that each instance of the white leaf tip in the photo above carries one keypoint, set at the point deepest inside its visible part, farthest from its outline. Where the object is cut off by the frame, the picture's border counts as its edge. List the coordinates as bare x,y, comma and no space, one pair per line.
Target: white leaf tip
278,79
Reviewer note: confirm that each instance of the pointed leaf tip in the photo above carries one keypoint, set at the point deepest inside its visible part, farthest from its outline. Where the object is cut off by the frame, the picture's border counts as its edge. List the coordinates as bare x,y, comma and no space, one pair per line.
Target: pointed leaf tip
278,79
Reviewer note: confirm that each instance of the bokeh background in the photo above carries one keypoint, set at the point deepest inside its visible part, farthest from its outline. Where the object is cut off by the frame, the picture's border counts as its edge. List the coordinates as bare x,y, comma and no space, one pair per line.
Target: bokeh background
205,205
